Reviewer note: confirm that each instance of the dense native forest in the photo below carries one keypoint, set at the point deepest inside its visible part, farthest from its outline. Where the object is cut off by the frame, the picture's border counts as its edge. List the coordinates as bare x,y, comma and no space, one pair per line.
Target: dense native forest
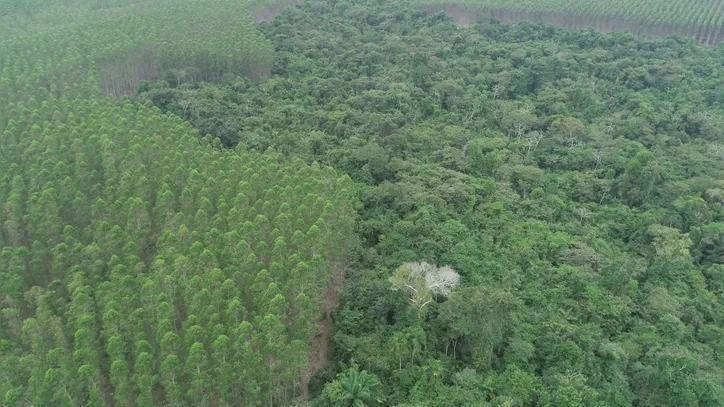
699,19
525,215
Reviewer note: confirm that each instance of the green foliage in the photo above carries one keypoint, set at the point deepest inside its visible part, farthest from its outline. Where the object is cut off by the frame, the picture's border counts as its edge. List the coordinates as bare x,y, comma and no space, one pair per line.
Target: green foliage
129,247
352,388
572,179
119,48
162,292
701,20
569,178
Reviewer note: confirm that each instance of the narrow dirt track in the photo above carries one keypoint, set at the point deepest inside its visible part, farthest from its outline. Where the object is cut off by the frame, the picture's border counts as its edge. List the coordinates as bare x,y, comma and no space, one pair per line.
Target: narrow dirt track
319,351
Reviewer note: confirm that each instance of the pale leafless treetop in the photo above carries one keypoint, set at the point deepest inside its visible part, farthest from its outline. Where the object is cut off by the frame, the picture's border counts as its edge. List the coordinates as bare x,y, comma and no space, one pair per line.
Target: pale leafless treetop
439,281
442,281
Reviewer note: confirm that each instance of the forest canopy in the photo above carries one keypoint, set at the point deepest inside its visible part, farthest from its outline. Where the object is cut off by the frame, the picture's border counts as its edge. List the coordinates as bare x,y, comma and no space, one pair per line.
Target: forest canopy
572,179
525,215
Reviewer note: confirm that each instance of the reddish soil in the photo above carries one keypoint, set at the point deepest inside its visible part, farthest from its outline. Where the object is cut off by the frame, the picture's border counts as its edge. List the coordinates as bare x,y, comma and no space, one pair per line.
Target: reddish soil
465,17
319,351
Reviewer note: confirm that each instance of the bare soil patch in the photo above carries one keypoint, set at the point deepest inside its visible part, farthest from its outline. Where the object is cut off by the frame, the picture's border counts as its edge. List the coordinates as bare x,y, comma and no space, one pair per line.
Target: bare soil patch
319,351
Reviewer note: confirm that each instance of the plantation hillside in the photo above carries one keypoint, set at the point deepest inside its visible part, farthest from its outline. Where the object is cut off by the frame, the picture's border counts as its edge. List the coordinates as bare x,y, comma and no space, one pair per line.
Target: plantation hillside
141,264
702,20
187,40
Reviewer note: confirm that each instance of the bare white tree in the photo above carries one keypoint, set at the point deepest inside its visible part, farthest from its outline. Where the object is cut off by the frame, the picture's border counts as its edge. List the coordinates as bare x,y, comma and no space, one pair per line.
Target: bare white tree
421,280
497,89
442,281
533,139
716,150
597,158
573,142
520,130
